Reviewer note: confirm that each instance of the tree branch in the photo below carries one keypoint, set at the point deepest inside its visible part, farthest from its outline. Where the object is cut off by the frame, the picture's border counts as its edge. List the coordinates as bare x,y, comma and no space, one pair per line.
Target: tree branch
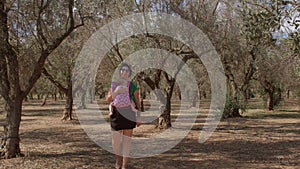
55,82
50,48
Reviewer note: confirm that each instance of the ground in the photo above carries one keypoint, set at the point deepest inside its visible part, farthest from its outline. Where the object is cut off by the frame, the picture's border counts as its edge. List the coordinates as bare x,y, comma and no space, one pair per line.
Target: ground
260,139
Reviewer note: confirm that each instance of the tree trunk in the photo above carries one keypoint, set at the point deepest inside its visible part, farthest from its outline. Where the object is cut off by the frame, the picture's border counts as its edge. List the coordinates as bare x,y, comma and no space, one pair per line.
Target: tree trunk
39,96
177,92
204,94
30,95
164,120
91,95
194,99
270,101
271,97
245,96
67,114
142,98
54,97
10,88
44,100
61,95
287,94
69,105
11,142
234,106
269,87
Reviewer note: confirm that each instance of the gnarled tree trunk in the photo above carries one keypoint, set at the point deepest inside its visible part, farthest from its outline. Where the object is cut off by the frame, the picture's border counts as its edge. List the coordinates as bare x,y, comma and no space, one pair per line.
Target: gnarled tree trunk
235,102
68,110
11,142
270,100
270,89
10,88
68,105
232,108
164,120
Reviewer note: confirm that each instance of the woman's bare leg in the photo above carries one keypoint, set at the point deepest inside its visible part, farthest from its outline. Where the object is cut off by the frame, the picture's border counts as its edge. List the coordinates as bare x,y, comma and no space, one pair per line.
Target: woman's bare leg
127,134
116,143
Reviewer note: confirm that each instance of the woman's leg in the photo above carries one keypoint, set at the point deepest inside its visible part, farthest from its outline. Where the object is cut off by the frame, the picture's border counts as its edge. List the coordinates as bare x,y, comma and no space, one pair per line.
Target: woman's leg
116,143
127,134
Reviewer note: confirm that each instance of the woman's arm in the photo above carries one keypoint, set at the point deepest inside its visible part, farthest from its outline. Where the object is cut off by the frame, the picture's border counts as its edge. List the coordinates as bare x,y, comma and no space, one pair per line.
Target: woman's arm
137,99
109,97
138,105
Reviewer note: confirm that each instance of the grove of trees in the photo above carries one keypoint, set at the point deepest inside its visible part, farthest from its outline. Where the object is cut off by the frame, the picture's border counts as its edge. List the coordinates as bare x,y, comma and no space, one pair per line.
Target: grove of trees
257,40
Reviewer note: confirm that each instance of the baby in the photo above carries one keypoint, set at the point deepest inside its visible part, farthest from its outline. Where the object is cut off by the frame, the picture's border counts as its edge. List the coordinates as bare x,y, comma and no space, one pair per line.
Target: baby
122,99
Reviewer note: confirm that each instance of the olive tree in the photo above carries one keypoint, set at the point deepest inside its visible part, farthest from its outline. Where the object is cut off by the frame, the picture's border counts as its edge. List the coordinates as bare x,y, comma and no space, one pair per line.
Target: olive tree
23,25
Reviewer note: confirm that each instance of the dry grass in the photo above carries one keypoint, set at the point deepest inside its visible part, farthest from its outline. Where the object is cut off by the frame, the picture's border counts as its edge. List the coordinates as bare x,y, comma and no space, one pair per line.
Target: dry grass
259,140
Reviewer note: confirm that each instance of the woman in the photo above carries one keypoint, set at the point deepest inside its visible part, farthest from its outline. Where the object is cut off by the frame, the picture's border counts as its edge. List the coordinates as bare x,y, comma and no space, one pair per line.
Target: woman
123,119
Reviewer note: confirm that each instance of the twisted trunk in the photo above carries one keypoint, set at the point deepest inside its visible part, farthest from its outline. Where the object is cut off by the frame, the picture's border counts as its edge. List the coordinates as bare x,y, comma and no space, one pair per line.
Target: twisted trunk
68,111
164,120
232,108
11,140
10,88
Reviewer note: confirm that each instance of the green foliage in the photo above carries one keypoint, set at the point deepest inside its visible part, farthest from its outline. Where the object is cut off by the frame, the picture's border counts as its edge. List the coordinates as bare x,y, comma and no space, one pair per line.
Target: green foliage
297,93
295,42
260,20
277,96
44,87
233,104
230,105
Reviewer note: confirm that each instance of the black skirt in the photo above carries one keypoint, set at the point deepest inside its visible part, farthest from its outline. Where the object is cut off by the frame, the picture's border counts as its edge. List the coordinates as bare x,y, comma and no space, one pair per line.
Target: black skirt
122,118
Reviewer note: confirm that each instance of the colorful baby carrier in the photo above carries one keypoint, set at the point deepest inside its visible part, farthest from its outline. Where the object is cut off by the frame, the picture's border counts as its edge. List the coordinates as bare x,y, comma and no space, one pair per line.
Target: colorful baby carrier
123,99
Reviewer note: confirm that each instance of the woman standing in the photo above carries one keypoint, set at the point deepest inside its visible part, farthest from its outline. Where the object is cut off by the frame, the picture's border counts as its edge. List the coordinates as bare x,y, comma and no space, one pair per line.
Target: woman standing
123,119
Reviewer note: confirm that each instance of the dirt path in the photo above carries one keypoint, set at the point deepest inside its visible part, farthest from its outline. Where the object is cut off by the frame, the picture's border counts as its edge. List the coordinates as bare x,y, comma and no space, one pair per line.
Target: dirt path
260,140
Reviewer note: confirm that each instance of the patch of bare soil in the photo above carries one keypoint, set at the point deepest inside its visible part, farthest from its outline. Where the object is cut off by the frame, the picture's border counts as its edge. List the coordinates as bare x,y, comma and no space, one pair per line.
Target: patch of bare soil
260,139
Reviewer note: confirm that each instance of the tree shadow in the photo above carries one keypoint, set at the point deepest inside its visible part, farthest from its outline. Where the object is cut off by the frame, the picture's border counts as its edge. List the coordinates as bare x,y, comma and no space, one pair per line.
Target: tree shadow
41,112
225,154
280,116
